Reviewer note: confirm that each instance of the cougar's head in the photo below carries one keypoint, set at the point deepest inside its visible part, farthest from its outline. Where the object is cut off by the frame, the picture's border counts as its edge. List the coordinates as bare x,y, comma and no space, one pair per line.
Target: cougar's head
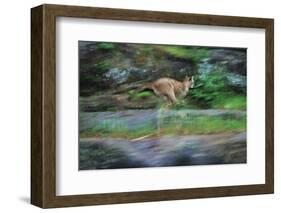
188,82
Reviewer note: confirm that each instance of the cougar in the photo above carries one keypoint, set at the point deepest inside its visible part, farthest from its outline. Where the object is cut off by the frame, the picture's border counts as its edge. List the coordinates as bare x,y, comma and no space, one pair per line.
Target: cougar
170,89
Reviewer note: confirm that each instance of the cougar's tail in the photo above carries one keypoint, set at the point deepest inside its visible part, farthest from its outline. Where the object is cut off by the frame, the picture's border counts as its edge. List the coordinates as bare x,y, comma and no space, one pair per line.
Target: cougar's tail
145,86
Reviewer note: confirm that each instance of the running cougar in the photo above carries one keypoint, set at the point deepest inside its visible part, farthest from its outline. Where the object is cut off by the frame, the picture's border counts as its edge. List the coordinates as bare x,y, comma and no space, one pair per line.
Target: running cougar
169,88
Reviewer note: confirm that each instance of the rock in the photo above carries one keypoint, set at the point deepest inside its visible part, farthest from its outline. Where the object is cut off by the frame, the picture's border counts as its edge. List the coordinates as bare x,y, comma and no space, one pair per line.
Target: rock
118,75
114,102
236,80
234,59
205,68
164,151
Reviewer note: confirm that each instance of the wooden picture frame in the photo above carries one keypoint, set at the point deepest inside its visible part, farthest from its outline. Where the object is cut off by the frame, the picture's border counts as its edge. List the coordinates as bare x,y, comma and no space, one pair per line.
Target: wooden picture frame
43,105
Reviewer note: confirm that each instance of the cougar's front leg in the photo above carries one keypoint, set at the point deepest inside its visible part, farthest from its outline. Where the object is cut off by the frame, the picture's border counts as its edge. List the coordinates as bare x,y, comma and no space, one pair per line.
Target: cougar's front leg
172,97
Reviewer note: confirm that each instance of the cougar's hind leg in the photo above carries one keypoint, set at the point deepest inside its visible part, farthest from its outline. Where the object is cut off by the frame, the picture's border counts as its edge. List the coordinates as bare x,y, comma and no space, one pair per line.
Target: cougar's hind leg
156,92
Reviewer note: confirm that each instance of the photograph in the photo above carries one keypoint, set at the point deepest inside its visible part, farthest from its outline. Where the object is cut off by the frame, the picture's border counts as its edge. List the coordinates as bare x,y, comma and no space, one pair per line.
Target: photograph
156,105
170,105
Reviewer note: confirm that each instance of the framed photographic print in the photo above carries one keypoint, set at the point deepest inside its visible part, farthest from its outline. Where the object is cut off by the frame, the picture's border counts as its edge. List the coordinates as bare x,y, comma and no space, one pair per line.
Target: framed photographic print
136,106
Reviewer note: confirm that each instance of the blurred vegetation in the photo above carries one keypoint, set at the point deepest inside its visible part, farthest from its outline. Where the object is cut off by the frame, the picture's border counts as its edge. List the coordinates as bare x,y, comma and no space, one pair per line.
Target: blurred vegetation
115,129
178,123
213,91
194,54
231,101
135,96
105,46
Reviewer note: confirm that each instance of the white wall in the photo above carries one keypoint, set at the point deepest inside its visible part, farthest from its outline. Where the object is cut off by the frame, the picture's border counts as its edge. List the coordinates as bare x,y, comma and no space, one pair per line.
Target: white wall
15,106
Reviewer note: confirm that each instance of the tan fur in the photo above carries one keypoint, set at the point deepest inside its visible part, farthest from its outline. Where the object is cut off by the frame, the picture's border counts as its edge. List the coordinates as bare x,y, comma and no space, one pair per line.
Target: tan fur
170,89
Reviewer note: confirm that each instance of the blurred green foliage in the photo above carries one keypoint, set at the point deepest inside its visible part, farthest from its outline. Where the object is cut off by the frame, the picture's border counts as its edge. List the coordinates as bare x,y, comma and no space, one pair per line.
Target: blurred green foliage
103,65
105,45
213,91
207,125
115,129
233,101
178,123
195,54
141,95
